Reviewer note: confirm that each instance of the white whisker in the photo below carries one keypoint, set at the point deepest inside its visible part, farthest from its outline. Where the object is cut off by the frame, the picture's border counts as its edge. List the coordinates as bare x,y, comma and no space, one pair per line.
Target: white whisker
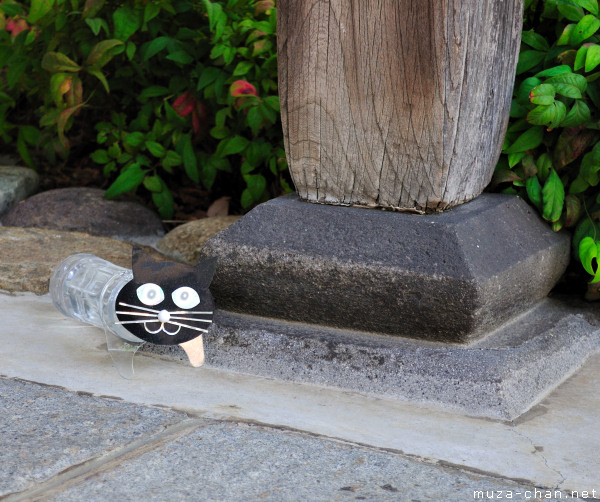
138,307
191,319
134,322
190,312
188,327
141,314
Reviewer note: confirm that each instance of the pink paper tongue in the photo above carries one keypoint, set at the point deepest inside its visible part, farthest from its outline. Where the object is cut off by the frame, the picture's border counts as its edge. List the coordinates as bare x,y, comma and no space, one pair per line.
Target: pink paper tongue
195,351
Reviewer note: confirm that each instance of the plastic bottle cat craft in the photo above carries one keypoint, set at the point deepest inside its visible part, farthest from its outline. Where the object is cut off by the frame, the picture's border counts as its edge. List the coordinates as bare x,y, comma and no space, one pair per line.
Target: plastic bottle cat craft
164,303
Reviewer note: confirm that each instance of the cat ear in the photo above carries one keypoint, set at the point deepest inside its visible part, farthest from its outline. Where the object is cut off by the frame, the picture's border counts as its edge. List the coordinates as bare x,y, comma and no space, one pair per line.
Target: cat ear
205,271
145,268
140,259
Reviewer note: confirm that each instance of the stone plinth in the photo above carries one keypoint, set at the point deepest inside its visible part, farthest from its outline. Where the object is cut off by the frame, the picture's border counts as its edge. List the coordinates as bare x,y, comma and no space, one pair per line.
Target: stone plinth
447,277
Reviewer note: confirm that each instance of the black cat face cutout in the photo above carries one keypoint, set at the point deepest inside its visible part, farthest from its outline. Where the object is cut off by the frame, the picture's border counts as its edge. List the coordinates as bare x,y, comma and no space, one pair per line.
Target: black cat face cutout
166,303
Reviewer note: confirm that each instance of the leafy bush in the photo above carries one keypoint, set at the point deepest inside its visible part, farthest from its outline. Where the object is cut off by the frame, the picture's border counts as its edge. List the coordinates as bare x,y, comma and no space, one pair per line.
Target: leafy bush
551,154
150,89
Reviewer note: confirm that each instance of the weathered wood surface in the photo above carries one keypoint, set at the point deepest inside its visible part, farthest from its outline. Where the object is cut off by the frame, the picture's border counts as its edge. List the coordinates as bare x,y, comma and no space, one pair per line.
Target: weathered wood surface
396,103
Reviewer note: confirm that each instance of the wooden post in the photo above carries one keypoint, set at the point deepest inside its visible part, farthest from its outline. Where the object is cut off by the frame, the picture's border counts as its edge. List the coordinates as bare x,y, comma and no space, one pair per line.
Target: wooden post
396,103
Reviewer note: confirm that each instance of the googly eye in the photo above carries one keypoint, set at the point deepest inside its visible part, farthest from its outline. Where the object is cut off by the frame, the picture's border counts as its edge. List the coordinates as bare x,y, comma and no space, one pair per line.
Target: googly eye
150,294
185,298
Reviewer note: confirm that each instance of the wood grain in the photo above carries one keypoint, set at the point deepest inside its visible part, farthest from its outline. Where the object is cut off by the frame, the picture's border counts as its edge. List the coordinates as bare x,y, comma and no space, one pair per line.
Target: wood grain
395,103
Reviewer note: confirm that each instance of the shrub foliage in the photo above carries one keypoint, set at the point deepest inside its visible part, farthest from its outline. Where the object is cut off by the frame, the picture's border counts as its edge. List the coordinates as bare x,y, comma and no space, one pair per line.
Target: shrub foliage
153,88
551,154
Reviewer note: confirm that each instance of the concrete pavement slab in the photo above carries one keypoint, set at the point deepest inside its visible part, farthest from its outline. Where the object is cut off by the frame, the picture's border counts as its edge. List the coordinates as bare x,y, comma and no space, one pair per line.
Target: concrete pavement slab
554,445
213,461
45,430
244,462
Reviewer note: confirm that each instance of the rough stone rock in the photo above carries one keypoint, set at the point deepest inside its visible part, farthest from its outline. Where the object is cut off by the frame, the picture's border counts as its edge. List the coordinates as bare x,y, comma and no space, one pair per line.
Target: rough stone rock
186,241
448,277
85,210
28,255
16,183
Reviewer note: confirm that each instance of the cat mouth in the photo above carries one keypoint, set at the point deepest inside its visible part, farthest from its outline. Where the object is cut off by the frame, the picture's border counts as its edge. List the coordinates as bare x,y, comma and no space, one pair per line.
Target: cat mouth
150,318
160,328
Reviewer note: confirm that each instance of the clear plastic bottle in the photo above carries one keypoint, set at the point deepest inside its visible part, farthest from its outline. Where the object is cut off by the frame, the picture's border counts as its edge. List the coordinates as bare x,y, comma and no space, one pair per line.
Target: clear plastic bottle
85,288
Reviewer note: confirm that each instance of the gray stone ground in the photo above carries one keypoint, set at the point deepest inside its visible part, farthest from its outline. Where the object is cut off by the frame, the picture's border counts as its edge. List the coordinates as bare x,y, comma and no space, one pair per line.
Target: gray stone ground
58,445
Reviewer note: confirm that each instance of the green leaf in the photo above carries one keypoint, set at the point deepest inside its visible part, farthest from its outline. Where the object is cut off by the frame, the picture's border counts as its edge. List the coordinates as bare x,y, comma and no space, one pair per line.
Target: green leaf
151,10
207,77
95,24
100,157
38,9
542,94
254,119
571,11
181,57
153,184
100,76
535,40
529,59
592,58
584,29
61,124
152,92
585,228
163,201
515,158
580,58
60,83
30,134
126,181
553,196
130,51
589,169
534,191
573,209
570,85
566,35
50,118
155,46
578,185
256,184
190,163
55,62
22,148
156,149
577,116
554,71
15,71
171,159
103,52
530,139
242,68
127,21
590,5
550,116
92,7
588,253
230,146
134,139
247,198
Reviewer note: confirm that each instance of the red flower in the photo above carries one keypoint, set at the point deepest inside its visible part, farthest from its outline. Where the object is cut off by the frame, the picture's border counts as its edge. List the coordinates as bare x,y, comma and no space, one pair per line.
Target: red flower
241,88
16,25
264,6
186,104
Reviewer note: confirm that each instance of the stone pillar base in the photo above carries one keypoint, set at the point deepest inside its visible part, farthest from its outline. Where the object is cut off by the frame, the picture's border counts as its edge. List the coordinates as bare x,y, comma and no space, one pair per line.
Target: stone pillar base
448,277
